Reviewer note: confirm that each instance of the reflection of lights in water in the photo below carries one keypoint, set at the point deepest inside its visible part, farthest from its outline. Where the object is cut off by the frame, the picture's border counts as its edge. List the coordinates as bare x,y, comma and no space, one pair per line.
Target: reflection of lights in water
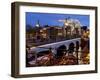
86,59
53,52
64,52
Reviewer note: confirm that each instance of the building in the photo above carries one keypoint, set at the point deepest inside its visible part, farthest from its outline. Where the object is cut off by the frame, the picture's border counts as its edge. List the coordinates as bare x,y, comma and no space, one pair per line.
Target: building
71,29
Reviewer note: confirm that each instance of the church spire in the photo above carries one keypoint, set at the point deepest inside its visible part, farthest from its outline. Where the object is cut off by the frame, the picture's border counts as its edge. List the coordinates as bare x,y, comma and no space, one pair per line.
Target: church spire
38,24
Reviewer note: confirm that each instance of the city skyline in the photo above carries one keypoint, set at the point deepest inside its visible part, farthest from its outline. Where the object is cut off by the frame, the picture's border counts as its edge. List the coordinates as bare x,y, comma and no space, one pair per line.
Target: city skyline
51,19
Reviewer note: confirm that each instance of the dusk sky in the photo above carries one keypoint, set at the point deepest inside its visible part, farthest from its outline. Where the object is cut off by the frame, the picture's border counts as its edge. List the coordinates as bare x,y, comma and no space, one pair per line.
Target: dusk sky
52,19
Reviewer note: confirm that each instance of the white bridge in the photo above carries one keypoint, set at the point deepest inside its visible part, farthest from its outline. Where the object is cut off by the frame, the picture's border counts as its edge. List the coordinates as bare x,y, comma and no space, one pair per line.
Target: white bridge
55,45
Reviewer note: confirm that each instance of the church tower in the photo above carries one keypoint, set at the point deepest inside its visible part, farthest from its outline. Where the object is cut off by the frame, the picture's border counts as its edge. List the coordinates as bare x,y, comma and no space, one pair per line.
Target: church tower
65,27
38,24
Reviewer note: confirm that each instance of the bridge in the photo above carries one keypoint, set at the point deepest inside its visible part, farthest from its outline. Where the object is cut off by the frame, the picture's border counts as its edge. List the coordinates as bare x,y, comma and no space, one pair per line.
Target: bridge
55,45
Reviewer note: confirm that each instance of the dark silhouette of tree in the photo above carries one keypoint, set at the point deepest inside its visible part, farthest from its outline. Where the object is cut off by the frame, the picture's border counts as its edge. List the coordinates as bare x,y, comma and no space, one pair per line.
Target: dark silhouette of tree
46,26
29,29
84,28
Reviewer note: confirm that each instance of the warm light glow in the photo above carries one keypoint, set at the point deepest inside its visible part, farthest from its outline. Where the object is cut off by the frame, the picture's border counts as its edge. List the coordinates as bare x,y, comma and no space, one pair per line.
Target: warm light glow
66,24
44,28
60,34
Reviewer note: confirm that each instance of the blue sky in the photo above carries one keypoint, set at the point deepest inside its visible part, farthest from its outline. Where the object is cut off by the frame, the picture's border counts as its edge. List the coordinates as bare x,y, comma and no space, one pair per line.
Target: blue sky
52,19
